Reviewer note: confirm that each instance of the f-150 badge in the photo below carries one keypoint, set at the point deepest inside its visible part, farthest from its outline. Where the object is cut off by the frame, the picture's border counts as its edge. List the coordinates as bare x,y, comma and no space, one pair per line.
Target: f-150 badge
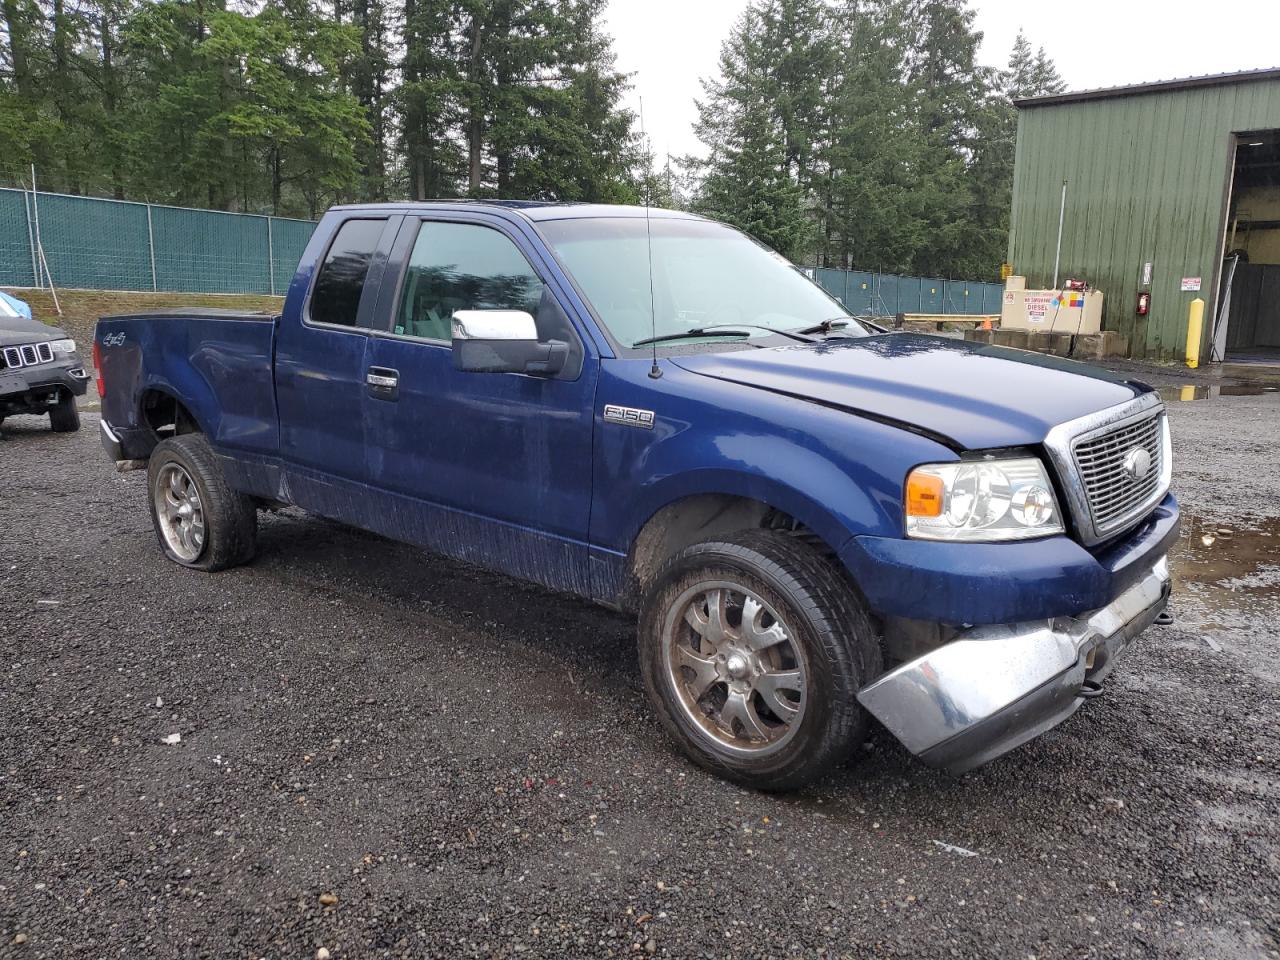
629,416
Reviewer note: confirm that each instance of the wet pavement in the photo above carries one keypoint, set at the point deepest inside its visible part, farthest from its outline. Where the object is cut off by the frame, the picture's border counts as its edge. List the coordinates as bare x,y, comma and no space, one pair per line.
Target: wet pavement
1212,391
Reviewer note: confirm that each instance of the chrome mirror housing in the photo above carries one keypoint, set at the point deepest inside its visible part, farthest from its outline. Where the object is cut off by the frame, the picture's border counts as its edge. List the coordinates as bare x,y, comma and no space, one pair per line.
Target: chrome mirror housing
504,341
494,325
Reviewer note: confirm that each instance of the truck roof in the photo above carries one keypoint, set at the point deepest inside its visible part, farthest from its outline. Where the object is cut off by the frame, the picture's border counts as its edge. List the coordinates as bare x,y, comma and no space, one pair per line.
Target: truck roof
532,209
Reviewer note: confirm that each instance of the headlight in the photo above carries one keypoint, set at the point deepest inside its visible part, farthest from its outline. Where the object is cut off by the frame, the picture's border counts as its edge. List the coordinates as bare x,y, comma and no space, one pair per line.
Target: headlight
63,346
981,500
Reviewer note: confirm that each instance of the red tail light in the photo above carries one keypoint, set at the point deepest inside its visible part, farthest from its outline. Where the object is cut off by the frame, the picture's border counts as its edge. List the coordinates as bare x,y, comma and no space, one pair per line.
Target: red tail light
97,369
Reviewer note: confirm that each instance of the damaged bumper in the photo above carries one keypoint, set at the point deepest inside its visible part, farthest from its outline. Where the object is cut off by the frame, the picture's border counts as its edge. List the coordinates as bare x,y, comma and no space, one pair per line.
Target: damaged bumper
996,687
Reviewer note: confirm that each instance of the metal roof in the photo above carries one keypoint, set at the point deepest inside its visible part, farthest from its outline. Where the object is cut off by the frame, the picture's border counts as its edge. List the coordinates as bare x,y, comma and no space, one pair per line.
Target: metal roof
1159,86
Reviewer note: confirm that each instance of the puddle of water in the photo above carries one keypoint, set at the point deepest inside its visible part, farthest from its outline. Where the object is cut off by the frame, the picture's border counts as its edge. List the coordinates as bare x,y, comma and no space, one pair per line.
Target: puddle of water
1210,391
1234,558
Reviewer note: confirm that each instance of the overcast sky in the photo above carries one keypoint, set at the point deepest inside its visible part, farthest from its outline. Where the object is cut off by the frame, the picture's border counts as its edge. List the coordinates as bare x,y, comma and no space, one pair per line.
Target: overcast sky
669,44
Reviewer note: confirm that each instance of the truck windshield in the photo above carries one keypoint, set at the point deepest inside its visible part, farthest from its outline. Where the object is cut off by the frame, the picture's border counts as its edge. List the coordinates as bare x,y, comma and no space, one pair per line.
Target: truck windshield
704,275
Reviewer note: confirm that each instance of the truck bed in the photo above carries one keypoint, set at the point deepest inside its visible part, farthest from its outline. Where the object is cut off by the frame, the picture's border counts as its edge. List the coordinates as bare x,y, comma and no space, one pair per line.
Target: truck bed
219,362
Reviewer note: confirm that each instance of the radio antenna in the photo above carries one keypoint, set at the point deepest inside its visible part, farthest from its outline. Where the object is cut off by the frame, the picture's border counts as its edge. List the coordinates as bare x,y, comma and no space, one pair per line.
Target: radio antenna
654,372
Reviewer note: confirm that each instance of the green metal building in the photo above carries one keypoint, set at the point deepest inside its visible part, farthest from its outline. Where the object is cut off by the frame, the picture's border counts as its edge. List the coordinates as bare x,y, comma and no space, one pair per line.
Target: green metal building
1170,186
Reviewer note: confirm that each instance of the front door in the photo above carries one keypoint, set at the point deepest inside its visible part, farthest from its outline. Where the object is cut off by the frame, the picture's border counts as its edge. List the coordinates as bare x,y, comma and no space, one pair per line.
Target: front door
489,467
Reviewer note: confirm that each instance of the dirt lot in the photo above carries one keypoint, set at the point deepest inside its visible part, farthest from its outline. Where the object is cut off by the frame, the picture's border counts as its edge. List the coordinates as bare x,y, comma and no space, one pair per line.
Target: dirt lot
385,754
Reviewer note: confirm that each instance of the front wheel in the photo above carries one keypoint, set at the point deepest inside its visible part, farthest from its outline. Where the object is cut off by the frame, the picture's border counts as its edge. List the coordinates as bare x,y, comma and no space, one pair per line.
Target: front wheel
752,650
64,417
199,520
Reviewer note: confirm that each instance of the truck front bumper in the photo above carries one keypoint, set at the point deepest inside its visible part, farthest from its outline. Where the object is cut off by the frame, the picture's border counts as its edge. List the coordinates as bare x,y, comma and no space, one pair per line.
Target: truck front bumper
995,687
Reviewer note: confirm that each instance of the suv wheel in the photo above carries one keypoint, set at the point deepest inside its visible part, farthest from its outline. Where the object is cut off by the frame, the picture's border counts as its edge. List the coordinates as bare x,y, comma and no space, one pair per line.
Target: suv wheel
199,520
64,417
752,650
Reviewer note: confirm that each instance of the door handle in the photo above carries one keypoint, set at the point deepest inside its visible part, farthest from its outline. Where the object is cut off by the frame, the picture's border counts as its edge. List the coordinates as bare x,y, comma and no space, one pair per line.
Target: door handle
383,383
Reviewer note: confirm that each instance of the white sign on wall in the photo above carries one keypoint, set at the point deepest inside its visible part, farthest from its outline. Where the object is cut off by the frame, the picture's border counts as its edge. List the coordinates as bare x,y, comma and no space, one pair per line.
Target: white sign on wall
1190,284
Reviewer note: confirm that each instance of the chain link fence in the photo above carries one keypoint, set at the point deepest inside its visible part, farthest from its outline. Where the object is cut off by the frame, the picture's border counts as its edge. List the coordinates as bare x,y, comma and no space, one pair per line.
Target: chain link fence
885,294
96,244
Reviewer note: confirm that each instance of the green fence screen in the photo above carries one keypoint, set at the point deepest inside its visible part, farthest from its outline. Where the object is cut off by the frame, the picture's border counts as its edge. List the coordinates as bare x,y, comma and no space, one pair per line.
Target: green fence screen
115,245
98,244
886,294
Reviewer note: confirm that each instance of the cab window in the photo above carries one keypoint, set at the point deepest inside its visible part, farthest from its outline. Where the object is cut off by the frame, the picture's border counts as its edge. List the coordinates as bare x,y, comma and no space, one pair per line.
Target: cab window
339,284
462,266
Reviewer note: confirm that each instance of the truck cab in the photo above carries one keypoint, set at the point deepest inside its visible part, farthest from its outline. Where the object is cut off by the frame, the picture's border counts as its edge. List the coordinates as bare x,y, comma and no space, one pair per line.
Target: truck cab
818,523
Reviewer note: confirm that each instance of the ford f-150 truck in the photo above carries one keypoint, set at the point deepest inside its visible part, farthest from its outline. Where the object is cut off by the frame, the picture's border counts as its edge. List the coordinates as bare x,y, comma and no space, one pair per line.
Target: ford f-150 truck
817,522
40,370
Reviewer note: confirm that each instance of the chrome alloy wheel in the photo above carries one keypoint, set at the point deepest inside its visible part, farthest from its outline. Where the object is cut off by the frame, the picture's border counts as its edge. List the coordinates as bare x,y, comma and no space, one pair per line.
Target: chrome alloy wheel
735,667
179,511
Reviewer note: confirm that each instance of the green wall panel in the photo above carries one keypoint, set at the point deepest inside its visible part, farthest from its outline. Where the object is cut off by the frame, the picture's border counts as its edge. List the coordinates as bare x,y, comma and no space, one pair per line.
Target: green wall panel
1147,178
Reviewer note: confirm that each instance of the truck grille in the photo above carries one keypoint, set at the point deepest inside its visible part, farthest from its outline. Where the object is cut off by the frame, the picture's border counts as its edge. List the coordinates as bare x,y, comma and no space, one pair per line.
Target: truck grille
26,355
1115,495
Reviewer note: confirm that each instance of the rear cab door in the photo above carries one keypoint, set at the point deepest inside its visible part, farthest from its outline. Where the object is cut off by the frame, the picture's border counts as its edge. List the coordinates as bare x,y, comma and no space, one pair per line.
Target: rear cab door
321,356
494,468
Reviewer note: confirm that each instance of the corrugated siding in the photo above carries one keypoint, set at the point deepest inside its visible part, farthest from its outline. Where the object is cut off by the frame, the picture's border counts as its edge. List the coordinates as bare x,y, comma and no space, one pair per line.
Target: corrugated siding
1147,178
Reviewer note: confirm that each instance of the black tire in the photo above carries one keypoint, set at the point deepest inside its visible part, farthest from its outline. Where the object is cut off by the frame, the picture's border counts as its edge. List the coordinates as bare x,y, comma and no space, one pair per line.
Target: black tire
230,518
65,417
821,612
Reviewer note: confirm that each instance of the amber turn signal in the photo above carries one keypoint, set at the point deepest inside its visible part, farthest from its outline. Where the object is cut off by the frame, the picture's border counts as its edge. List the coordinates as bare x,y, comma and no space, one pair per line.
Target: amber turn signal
924,495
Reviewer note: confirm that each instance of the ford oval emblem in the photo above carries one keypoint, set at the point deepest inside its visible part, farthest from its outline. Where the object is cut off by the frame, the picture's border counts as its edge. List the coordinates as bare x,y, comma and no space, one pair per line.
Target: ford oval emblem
1137,463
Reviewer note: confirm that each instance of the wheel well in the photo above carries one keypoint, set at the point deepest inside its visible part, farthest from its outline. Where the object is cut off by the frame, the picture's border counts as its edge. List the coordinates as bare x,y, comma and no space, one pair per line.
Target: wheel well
166,416
697,518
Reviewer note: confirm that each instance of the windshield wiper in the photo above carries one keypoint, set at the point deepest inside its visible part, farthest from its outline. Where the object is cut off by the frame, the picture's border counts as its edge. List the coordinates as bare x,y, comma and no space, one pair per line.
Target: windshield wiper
695,332
826,326
791,334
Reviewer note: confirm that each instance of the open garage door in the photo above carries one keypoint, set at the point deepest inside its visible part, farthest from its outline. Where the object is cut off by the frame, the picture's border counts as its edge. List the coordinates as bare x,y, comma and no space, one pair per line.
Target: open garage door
1251,272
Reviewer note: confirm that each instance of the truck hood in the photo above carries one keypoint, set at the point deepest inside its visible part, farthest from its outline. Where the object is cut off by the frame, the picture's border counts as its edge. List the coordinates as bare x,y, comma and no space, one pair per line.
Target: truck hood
971,395
15,330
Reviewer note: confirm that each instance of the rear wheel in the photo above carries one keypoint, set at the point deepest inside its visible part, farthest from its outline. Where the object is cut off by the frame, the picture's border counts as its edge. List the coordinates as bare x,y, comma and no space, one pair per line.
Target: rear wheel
752,650
200,521
64,417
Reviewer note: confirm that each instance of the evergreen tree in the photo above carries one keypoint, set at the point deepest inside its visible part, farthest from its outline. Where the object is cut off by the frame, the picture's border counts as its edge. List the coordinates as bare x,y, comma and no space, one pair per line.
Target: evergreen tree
859,133
428,98
868,217
761,121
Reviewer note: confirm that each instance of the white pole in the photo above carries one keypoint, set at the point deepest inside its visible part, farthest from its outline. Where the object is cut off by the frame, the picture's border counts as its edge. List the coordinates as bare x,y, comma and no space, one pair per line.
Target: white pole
151,248
52,292
271,260
31,239
35,203
1057,254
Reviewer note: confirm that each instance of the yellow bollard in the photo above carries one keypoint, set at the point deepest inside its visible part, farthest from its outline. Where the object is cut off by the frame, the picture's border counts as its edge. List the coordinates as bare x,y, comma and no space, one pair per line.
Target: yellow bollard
1195,327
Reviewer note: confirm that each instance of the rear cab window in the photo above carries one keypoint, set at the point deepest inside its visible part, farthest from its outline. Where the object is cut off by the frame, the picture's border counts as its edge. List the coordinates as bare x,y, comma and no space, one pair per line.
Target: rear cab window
342,278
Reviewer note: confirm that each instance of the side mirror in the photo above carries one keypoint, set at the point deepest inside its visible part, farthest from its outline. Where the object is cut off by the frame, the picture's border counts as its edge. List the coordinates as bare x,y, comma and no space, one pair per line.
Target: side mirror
504,341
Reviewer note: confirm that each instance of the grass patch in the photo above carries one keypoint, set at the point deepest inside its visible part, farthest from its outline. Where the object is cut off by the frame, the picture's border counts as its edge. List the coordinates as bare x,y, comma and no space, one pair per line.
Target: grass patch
82,308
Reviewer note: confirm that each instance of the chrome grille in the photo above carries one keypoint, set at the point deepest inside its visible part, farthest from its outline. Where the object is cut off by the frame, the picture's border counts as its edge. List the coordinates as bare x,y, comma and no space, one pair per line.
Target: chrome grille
27,355
1114,497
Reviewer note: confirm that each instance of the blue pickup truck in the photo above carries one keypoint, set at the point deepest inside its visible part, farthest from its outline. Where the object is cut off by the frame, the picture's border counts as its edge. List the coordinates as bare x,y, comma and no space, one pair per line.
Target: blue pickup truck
818,522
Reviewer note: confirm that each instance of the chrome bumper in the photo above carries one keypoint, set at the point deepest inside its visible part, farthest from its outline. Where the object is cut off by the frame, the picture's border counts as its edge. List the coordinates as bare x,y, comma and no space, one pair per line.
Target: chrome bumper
110,442
995,687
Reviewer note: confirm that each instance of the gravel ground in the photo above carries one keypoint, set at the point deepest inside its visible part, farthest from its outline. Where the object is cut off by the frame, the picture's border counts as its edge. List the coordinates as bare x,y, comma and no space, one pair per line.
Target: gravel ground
386,754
